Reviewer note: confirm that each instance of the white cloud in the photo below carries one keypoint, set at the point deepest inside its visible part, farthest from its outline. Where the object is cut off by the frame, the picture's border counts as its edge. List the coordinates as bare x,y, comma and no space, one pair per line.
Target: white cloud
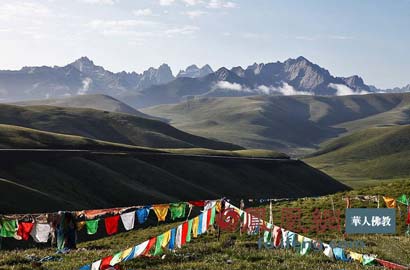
192,2
229,86
122,27
285,89
142,12
344,90
100,2
23,10
221,4
183,30
339,37
166,2
194,13
86,86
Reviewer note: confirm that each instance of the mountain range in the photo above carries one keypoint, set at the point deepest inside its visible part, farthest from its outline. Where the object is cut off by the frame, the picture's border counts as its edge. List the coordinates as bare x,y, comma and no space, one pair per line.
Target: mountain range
159,86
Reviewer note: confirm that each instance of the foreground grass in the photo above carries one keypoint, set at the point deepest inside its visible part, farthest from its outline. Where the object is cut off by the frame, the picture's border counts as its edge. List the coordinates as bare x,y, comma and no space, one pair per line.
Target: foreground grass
207,252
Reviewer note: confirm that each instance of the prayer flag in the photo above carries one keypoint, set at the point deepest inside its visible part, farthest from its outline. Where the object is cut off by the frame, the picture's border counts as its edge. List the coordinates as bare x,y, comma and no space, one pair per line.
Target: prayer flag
142,214
128,220
177,210
111,224
161,211
390,202
92,226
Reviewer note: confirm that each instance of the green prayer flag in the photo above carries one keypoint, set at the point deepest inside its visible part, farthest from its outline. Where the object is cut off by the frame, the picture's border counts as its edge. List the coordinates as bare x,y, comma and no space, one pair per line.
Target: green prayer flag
403,199
158,246
177,210
213,213
8,228
188,236
92,226
368,260
116,259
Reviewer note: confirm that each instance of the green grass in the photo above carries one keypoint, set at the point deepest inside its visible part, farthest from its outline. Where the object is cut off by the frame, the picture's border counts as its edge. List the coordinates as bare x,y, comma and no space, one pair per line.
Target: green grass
291,124
97,101
106,126
206,252
366,156
251,153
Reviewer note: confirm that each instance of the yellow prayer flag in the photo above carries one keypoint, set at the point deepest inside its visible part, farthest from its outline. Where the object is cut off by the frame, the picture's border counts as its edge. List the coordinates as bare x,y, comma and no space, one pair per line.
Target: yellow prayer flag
80,225
195,224
166,238
390,202
161,211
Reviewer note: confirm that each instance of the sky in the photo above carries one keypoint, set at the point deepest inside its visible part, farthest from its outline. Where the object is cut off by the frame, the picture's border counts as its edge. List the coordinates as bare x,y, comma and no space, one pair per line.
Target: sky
369,38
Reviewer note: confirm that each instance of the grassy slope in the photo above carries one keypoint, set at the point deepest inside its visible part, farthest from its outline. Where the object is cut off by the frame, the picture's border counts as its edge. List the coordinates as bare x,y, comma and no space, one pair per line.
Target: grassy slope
207,252
98,102
27,138
278,122
107,126
93,180
373,154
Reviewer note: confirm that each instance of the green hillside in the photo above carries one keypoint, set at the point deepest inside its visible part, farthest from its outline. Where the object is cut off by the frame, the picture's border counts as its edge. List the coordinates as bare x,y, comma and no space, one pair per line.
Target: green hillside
290,124
103,125
207,252
97,101
381,153
82,179
26,138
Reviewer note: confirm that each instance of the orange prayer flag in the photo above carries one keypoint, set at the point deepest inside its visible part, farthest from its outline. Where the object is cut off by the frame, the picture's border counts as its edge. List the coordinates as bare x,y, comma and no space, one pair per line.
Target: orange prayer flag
390,202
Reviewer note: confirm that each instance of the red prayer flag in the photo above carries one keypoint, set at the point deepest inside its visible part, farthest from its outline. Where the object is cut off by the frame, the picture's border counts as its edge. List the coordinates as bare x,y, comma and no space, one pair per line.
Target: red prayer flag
408,216
277,235
24,229
151,243
184,233
391,265
105,263
208,218
197,203
111,224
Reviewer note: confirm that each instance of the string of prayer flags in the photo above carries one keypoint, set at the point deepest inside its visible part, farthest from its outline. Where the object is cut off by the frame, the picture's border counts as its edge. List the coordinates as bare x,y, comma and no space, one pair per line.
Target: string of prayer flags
8,228
390,202
177,210
24,230
111,224
128,220
92,226
403,199
142,214
161,211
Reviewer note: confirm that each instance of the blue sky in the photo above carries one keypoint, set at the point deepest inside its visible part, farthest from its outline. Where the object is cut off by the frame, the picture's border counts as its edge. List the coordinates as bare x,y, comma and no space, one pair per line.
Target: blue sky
369,38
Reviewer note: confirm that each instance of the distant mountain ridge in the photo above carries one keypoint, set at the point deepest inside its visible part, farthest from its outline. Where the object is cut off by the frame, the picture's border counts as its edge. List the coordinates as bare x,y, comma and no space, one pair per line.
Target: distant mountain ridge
159,86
